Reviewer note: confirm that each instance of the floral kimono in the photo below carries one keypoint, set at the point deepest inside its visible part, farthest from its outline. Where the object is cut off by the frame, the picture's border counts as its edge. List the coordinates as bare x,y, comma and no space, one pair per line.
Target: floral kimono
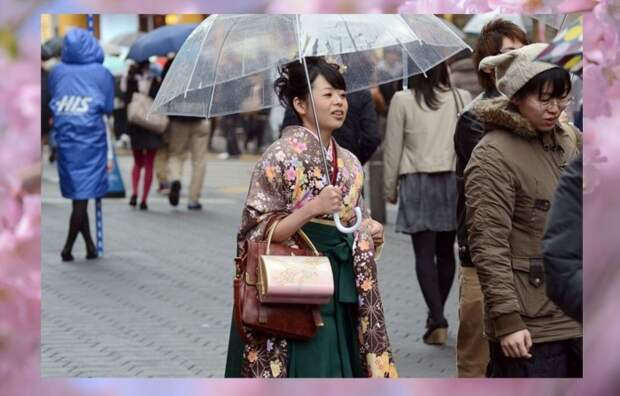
288,176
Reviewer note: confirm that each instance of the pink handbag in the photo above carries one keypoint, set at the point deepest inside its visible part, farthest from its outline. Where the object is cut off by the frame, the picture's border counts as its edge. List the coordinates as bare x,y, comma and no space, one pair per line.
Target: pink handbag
294,279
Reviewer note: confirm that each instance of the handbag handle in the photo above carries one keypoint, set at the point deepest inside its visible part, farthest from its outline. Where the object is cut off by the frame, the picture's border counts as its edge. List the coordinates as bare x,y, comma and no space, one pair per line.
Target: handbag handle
299,231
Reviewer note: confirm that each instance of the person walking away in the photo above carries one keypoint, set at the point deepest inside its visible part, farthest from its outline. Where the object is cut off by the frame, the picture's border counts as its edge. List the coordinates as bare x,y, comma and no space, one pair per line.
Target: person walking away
187,135
419,162
509,183
144,143
472,349
82,92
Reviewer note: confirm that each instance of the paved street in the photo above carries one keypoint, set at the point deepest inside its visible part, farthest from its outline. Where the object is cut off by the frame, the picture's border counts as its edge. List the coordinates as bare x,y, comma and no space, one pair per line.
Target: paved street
159,303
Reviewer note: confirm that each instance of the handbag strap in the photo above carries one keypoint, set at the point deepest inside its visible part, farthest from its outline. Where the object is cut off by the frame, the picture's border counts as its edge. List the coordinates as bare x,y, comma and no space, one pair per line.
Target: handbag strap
299,231
457,103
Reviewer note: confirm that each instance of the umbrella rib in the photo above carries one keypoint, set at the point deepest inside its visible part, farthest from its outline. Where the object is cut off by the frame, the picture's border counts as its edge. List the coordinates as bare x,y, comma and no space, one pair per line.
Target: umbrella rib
405,47
217,62
189,81
298,26
346,26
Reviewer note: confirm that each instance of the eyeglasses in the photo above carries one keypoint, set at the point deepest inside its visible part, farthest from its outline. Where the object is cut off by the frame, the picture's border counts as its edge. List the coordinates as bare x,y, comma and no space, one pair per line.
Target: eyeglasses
561,102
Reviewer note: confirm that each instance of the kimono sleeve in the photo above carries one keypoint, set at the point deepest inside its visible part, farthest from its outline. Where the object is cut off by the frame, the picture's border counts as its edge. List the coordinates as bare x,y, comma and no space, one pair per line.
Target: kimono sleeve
268,195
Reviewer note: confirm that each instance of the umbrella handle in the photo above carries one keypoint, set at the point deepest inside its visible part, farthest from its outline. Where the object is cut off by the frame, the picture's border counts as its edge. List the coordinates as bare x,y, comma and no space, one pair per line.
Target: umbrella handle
354,227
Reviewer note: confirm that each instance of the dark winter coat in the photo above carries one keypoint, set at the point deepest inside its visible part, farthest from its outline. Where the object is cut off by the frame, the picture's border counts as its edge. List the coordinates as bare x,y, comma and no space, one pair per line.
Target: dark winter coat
562,243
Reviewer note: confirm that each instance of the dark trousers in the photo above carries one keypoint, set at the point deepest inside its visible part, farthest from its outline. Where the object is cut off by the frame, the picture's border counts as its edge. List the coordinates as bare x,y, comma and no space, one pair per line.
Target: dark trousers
555,359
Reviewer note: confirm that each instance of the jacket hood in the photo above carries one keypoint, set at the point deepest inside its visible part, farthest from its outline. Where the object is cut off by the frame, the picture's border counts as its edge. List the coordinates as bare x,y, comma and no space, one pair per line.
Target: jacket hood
80,47
495,113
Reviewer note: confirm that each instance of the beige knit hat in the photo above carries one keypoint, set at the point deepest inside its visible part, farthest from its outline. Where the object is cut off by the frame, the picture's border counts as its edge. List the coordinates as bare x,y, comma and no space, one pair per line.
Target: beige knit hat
515,68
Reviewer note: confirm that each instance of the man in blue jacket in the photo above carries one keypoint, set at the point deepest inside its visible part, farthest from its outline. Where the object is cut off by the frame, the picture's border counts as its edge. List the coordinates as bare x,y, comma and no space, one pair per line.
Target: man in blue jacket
81,92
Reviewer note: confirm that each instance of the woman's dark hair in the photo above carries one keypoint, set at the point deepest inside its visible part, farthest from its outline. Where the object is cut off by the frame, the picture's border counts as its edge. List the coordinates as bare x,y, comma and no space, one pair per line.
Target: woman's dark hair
292,81
557,77
424,87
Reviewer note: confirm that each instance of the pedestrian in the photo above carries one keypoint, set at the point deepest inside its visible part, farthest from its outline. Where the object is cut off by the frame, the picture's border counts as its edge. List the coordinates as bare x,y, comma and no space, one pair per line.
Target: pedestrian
472,349
187,135
418,171
563,241
144,143
359,133
463,72
288,182
82,92
509,183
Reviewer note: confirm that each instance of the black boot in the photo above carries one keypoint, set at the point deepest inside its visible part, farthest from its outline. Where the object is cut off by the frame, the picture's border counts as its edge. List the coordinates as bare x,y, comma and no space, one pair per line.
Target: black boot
175,192
436,332
66,255
143,206
133,200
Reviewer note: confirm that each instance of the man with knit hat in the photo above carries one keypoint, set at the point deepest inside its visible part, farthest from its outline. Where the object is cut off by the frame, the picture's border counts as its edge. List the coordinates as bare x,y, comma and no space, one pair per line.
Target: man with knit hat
509,184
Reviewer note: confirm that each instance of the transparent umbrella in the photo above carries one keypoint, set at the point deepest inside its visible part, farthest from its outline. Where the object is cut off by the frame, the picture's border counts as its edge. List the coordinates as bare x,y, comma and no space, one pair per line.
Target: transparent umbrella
227,57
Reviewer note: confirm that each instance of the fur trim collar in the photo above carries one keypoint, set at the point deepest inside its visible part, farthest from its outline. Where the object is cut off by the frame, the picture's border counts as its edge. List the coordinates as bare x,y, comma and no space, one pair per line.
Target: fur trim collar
495,113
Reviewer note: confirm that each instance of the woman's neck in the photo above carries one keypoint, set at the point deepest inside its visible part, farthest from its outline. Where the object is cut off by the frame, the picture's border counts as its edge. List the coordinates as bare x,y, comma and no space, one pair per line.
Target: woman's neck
326,134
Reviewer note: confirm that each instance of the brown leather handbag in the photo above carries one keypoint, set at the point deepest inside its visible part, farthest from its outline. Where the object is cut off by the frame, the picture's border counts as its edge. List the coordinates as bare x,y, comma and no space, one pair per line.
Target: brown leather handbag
292,321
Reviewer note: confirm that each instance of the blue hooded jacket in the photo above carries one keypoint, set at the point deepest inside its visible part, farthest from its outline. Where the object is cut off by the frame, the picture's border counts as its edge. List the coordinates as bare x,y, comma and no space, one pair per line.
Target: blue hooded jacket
81,91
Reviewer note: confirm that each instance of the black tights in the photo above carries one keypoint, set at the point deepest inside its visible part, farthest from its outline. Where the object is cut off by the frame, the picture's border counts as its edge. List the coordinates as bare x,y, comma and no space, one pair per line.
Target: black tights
435,280
78,223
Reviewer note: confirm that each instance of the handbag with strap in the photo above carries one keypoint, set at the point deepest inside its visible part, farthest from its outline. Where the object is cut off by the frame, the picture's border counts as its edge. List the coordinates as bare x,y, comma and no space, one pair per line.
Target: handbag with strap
278,289
137,111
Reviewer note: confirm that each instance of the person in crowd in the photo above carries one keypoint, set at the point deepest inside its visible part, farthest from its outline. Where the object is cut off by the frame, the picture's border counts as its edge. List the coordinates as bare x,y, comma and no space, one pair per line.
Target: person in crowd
418,170
509,183
463,72
144,143
359,133
289,183
187,135
81,92
472,349
563,242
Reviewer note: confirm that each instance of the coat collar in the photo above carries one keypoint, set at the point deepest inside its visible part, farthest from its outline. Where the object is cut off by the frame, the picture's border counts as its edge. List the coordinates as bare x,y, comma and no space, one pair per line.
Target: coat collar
496,113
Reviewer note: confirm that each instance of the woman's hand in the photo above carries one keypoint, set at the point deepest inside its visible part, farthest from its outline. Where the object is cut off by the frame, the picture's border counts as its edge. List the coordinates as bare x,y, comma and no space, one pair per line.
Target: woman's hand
375,229
329,201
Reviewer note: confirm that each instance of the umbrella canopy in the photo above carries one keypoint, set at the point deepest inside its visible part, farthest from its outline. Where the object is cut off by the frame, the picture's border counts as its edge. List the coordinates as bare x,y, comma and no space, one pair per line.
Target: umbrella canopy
228,55
119,45
125,39
566,49
454,28
115,64
231,60
160,41
477,22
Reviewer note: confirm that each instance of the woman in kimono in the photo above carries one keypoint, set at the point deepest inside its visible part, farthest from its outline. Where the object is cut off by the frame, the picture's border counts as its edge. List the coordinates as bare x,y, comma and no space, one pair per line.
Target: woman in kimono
289,183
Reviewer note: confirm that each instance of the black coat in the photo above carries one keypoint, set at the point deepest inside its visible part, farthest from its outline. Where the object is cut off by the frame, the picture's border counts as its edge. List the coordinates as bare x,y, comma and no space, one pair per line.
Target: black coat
360,133
469,131
141,138
562,243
